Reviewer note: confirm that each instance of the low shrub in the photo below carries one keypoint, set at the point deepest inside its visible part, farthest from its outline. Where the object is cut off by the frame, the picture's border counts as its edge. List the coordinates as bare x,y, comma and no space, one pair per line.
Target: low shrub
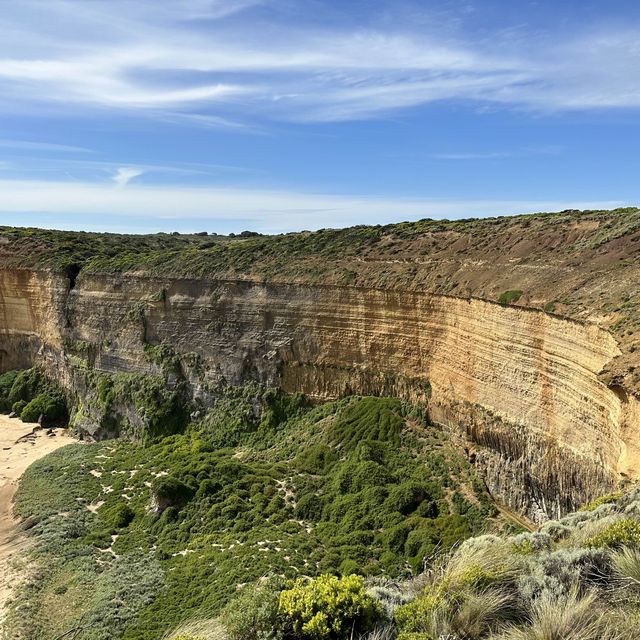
50,405
6,383
619,534
508,297
406,497
566,617
118,515
290,501
450,614
368,419
18,407
329,607
168,491
316,458
30,394
253,614
27,385
608,499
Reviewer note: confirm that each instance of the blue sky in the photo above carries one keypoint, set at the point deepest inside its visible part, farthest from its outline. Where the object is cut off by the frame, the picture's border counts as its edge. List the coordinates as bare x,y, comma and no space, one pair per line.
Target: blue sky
277,115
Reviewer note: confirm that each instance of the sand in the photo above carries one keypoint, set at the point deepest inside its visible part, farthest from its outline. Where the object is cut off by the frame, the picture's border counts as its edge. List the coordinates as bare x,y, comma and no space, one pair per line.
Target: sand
19,447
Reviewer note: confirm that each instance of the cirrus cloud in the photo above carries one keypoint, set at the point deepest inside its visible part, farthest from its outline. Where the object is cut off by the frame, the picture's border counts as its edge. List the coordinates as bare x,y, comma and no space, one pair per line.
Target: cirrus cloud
210,62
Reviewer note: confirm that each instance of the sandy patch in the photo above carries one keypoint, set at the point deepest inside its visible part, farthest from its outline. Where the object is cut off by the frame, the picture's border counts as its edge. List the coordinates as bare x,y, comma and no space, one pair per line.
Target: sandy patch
19,447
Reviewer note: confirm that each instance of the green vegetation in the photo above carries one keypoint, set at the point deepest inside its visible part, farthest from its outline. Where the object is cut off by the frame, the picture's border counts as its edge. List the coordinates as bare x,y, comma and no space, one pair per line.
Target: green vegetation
509,297
547,585
301,491
70,250
329,607
205,255
348,519
254,613
559,582
618,534
30,394
51,405
598,502
136,405
6,383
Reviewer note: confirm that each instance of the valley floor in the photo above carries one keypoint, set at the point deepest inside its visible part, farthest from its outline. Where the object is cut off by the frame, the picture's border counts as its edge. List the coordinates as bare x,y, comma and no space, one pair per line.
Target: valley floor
19,447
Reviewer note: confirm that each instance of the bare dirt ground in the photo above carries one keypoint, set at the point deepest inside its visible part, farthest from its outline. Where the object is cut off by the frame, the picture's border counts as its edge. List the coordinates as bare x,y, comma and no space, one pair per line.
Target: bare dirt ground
19,447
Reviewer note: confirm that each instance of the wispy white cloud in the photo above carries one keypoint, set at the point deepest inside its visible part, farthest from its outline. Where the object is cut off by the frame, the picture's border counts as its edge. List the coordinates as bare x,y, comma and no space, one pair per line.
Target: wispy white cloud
498,155
204,62
124,175
30,145
488,155
265,210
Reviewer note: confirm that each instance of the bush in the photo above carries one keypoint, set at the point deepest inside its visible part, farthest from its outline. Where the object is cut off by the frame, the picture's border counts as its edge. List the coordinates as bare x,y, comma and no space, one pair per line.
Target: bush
6,382
316,459
18,407
167,491
368,419
27,385
619,534
117,516
406,497
309,507
255,512
470,615
51,406
608,499
513,295
253,613
329,607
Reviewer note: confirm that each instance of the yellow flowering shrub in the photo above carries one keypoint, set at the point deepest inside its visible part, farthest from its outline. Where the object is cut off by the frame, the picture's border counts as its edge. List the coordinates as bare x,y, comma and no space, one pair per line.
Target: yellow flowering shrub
608,499
329,607
619,534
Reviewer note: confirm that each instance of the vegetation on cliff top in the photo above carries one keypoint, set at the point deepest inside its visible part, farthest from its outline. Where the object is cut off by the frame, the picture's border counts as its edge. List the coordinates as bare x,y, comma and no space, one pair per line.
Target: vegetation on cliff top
161,532
198,255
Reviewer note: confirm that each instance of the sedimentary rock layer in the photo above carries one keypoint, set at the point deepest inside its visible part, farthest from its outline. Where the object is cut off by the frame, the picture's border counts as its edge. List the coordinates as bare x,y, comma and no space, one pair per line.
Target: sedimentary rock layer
520,385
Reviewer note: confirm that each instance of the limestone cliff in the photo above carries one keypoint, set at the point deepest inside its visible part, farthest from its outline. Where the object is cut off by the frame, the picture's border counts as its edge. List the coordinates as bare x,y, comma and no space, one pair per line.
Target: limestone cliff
521,387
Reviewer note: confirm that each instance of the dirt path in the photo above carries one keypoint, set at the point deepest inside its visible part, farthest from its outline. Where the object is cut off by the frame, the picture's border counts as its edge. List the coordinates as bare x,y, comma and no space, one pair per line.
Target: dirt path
19,447
516,517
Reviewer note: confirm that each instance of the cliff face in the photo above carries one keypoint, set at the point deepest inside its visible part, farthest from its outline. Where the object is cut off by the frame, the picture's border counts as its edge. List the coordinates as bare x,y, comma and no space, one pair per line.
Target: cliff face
519,386
32,316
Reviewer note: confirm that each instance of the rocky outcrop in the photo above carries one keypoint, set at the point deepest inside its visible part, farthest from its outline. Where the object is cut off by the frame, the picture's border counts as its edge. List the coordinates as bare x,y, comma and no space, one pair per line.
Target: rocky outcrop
520,385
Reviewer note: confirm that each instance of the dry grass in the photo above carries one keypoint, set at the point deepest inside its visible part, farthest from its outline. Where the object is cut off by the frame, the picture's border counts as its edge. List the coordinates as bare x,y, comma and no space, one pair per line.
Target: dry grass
486,558
383,632
568,617
626,564
198,630
477,615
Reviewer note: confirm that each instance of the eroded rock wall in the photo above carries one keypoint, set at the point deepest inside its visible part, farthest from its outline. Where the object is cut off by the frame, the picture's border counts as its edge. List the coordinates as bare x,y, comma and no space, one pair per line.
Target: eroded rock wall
520,385
32,316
